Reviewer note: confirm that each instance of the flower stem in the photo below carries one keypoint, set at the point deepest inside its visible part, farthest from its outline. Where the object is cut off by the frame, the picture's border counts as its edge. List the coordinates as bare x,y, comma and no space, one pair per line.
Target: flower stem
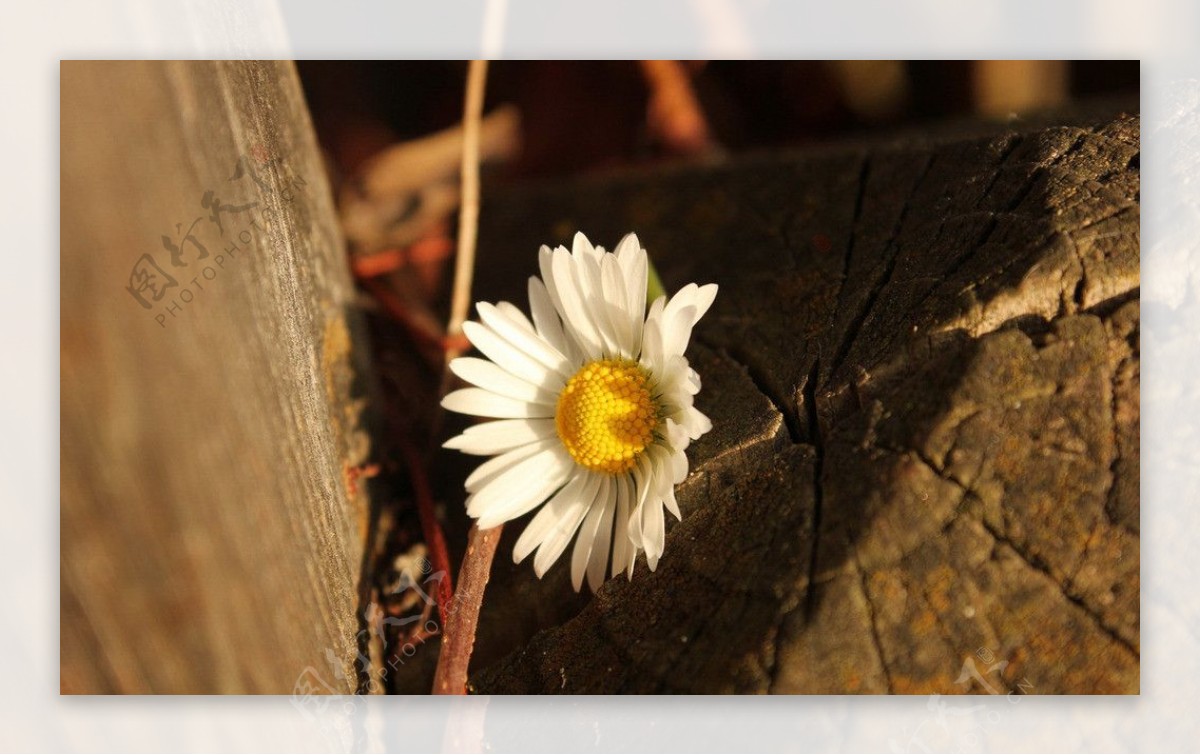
458,634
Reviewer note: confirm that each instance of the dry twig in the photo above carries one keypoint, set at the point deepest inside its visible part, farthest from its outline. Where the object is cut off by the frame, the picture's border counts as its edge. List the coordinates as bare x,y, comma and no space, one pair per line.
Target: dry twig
468,214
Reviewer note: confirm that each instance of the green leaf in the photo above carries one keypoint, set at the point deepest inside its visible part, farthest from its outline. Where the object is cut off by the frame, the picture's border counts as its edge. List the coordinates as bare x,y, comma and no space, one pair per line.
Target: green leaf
654,285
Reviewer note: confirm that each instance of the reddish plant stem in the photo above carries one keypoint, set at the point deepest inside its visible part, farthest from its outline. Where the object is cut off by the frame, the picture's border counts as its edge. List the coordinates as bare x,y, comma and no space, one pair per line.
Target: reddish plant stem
435,541
458,637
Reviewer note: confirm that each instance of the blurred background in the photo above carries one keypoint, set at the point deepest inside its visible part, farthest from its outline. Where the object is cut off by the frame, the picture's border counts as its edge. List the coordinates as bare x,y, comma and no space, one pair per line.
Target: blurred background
579,116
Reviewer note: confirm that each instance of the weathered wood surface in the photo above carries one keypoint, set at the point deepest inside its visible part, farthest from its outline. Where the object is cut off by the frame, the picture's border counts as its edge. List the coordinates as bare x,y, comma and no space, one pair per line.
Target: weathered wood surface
211,541
922,370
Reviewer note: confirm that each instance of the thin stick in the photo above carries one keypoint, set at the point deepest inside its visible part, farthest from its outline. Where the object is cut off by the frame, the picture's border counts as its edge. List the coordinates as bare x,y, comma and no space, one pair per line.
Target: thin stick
458,637
468,227
468,214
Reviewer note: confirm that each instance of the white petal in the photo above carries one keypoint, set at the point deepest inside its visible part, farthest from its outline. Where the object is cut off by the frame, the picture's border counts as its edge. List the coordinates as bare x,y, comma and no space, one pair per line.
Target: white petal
705,296
671,400
672,388
643,475
510,357
681,314
652,353
490,376
695,422
493,467
653,531
677,437
594,536
520,487
566,526
616,306
656,307
598,560
526,340
651,525
543,522
679,470
591,288
623,552
514,313
523,501
581,247
683,298
672,505
627,246
677,329
674,466
572,305
675,368
584,280
546,266
635,289
545,318
635,268
481,403
502,435
653,341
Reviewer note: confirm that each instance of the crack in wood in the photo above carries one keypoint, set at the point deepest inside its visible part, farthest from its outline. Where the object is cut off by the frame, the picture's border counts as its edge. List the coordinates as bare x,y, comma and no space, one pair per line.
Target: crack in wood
873,621
762,382
1036,565
818,443
1015,141
864,173
889,268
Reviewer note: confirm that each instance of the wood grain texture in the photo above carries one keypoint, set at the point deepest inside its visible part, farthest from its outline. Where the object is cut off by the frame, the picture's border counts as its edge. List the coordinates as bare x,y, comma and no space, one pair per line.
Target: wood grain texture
211,540
922,371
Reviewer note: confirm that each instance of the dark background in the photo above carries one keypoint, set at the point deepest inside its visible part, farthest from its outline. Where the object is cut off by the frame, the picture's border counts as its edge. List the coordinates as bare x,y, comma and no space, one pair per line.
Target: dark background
578,116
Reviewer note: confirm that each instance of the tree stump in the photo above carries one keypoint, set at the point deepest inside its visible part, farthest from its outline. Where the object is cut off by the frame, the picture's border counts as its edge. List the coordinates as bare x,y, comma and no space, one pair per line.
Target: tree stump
922,370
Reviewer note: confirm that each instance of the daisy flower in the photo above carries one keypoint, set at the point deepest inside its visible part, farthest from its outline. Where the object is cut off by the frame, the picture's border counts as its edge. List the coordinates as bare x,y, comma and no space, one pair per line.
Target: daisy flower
593,407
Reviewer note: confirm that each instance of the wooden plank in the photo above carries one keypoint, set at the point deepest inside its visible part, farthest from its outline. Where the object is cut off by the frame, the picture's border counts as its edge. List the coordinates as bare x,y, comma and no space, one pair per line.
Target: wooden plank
210,539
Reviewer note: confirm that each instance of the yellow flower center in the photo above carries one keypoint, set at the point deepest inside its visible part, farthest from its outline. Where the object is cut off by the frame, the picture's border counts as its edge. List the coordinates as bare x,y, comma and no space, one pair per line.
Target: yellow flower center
606,416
